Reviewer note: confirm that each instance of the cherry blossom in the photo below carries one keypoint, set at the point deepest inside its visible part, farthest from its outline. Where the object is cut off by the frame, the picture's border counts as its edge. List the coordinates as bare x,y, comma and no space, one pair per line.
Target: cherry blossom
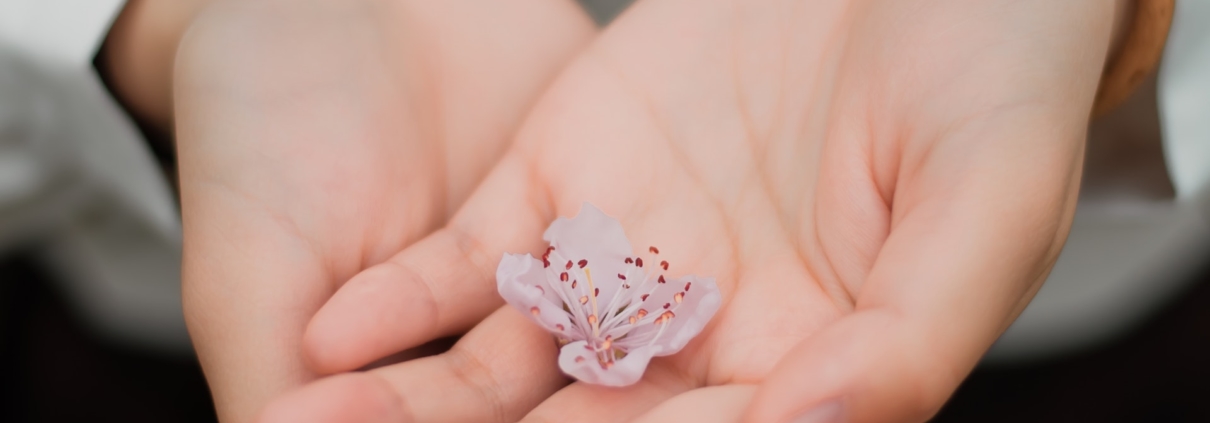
610,310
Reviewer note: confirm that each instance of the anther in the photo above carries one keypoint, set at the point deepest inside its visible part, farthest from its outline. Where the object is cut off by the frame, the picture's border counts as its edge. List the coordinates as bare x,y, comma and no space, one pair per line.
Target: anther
638,262
687,286
596,292
573,284
633,319
621,276
583,263
644,297
569,265
579,359
536,311
629,260
654,250
680,296
666,316
666,305
545,263
559,326
592,319
642,313
664,264
661,279
563,277
584,300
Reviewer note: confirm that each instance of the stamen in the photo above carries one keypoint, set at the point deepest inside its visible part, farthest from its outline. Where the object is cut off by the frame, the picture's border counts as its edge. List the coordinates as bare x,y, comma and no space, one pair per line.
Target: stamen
596,330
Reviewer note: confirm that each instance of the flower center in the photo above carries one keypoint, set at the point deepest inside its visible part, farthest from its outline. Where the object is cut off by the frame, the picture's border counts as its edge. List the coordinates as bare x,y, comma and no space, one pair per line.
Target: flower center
627,321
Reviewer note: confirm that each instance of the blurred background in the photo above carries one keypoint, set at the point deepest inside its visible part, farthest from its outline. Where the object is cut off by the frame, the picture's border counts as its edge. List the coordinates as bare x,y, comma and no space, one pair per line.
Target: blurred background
91,326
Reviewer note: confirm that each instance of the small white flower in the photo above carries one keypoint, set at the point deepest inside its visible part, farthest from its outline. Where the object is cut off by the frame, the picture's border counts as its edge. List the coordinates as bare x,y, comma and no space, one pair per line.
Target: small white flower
610,310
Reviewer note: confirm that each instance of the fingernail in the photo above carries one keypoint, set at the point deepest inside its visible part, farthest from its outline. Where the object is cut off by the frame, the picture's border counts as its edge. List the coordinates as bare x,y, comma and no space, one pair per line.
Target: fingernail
828,412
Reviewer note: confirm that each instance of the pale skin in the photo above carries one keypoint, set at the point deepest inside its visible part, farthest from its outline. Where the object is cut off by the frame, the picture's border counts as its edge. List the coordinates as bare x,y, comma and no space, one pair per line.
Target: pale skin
318,138
879,188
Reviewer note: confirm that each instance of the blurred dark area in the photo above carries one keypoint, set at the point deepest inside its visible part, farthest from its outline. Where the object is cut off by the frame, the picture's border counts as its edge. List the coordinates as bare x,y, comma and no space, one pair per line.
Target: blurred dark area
1159,372
53,370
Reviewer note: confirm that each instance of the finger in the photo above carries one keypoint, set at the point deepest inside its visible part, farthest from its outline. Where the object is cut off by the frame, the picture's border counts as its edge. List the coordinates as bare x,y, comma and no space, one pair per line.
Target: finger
585,403
497,373
715,404
352,397
438,286
961,261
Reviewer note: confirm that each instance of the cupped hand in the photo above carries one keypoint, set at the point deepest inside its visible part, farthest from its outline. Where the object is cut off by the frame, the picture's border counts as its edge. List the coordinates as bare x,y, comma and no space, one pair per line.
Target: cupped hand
318,138
878,188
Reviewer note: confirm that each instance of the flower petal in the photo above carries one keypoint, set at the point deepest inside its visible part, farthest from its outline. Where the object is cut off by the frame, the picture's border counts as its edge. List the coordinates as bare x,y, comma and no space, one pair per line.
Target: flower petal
522,282
593,236
697,306
590,234
579,362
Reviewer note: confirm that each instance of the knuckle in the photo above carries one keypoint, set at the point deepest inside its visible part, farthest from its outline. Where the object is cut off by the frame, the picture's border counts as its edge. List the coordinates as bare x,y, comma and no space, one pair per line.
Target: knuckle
475,374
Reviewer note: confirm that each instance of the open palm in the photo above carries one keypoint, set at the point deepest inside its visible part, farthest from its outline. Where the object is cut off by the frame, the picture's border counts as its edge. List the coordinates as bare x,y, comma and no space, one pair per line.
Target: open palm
878,188
315,141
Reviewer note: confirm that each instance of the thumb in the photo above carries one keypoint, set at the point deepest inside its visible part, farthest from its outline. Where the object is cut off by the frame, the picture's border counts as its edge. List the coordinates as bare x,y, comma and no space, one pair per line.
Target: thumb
440,286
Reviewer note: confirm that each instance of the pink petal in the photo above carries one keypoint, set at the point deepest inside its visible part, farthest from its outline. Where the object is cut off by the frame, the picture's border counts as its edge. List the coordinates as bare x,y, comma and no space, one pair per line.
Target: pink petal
581,363
521,280
593,236
697,307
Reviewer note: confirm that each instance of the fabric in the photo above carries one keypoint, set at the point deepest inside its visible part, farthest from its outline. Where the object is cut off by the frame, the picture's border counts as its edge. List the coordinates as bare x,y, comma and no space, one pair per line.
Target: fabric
1184,98
76,175
63,31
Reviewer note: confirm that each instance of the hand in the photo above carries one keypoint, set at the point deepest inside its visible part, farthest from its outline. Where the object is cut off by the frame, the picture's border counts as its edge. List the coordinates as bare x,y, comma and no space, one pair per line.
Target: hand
318,138
878,187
